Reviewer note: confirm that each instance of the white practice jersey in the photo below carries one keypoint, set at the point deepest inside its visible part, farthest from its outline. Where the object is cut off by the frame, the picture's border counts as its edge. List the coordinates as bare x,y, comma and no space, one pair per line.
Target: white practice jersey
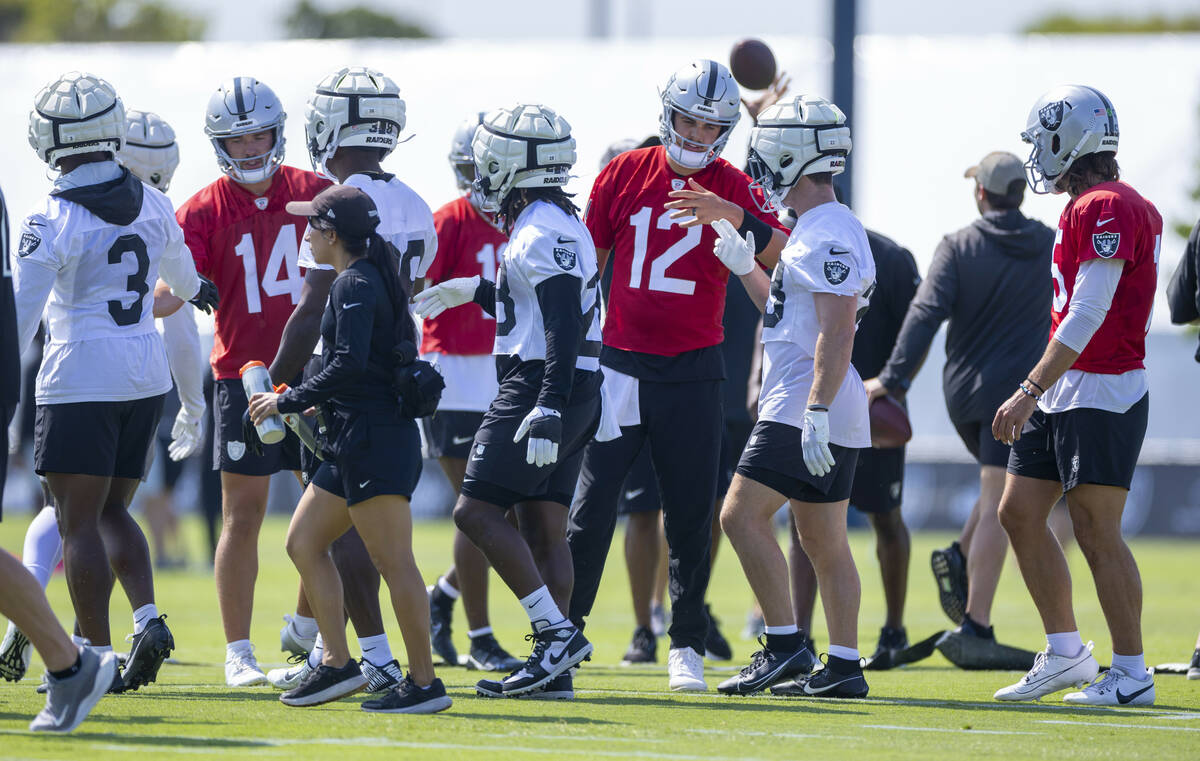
545,242
827,252
95,280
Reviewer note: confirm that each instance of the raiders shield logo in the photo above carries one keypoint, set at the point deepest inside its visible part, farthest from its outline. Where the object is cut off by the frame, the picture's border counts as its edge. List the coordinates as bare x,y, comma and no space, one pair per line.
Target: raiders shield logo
1106,244
836,272
677,184
565,258
261,202
29,244
1051,115
236,449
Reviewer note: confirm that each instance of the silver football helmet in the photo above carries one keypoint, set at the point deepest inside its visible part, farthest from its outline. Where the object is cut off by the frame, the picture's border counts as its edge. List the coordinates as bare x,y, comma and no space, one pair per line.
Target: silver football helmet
526,146
243,106
705,91
1067,122
352,107
150,149
804,135
462,161
76,113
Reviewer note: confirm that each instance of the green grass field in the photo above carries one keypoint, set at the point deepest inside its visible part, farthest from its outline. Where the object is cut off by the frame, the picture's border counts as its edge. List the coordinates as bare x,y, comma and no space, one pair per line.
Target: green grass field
928,710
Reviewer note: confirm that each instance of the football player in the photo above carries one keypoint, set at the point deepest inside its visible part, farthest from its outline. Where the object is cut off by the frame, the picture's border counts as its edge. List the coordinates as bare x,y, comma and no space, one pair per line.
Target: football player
241,237
812,409
104,373
469,243
1077,421
526,454
353,121
649,210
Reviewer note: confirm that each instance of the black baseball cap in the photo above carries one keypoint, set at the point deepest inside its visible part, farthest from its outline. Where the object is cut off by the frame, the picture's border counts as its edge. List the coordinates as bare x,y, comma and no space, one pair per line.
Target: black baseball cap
343,207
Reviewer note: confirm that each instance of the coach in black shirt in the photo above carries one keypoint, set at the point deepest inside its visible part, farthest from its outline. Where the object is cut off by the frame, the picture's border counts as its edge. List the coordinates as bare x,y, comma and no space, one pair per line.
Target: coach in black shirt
991,281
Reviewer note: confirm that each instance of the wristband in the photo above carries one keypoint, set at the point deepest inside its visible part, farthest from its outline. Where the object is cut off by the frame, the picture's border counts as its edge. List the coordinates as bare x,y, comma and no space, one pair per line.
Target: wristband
761,230
817,408
1035,384
1028,392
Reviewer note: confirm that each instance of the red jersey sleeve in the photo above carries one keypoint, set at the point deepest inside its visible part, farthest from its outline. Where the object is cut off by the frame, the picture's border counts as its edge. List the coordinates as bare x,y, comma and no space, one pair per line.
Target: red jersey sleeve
598,215
445,224
195,235
1106,227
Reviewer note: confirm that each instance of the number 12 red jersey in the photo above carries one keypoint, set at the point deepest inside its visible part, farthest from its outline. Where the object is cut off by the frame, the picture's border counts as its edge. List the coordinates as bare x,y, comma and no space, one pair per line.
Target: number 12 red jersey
668,289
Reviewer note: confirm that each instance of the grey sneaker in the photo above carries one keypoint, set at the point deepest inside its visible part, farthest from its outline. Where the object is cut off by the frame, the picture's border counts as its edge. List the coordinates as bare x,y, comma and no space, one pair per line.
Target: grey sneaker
70,700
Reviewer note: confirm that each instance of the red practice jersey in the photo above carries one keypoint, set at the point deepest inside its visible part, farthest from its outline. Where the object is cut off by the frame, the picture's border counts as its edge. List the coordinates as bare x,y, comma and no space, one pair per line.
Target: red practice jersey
1110,221
668,290
468,245
247,245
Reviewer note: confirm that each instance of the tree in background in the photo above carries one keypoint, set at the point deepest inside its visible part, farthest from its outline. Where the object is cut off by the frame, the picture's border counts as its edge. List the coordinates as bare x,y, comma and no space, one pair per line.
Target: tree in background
96,21
306,21
1066,23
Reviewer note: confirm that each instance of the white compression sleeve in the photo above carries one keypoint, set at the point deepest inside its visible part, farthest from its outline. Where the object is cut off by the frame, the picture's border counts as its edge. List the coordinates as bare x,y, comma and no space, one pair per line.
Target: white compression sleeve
182,342
1095,284
43,546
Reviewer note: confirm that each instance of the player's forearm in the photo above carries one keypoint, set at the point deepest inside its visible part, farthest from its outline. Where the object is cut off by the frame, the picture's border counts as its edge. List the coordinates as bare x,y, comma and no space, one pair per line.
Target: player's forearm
835,344
165,302
179,272
303,327
1055,361
485,296
758,287
185,359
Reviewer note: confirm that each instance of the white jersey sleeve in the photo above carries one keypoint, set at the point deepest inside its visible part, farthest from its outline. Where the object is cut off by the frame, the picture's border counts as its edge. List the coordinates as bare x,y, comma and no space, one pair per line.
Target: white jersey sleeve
185,359
405,221
177,267
35,269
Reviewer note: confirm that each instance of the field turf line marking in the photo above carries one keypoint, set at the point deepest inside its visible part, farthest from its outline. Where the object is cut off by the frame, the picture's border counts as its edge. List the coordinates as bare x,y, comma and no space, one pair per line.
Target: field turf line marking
948,729
1120,726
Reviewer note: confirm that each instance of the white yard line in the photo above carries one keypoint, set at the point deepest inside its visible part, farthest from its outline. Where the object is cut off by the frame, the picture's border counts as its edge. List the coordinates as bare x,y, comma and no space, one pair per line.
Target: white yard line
948,729
1120,726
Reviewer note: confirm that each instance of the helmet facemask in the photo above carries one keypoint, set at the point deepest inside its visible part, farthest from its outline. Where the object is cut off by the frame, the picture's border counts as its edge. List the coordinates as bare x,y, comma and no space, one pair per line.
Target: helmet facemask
706,92
690,153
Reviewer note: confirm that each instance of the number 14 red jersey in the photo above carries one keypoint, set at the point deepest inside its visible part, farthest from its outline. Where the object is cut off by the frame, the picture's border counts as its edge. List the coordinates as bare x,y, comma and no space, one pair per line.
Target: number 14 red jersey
668,289
247,245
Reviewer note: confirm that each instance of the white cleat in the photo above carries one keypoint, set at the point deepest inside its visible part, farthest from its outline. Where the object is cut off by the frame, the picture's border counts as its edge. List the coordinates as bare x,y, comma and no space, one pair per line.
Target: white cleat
1051,673
685,668
1115,688
291,641
241,670
289,677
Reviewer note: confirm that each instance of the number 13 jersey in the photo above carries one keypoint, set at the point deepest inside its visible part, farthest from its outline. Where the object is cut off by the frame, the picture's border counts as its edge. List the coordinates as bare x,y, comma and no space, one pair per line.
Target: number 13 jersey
248,246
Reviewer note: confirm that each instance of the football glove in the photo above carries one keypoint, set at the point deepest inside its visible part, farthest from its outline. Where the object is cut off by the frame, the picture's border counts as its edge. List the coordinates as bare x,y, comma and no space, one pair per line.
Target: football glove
445,295
187,435
734,252
544,427
206,299
815,442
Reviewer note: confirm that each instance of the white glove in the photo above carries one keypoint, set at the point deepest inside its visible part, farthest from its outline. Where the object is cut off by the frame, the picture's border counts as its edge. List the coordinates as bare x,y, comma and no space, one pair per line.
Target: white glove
452,293
734,252
815,442
187,435
544,427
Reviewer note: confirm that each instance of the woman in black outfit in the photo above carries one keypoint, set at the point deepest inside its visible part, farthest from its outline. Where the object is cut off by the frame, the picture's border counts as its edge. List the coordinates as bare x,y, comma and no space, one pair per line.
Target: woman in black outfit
372,454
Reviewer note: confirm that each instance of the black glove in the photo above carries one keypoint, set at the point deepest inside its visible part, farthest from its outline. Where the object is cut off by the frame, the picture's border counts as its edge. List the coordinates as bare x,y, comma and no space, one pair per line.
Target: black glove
206,299
250,436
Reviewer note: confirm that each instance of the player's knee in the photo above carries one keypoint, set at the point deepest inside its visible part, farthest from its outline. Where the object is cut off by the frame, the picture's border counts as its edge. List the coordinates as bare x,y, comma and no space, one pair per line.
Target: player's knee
889,527
1010,517
468,518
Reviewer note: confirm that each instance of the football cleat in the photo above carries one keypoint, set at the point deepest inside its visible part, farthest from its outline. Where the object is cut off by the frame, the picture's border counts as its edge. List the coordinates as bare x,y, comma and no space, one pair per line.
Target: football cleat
841,678
950,574
685,670
291,641
1194,666
407,697
1051,673
487,655
561,687
554,651
324,684
150,648
716,647
642,649
289,677
1115,688
891,643
380,679
68,701
767,668
441,612
15,652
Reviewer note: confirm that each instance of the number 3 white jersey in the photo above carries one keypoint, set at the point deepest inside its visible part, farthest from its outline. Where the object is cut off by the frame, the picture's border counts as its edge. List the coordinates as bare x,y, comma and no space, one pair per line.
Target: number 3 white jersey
544,242
95,250
826,253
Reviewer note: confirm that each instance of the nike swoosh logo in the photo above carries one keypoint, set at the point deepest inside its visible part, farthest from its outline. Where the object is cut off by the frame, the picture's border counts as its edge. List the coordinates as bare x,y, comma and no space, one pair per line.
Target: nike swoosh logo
351,306
35,223
1123,698
364,483
461,439
838,252
1103,222
561,239
475,458
555,661
634,493
534,604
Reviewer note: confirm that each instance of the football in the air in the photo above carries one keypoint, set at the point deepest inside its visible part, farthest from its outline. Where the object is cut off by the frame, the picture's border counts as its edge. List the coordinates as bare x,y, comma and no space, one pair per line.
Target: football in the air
752,64
889,423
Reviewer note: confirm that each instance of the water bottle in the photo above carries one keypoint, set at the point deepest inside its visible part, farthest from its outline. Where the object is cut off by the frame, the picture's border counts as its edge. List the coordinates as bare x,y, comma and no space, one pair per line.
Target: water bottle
256,380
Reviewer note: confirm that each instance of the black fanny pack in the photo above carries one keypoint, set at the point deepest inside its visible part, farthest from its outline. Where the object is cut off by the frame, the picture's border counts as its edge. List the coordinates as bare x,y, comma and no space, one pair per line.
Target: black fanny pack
418,384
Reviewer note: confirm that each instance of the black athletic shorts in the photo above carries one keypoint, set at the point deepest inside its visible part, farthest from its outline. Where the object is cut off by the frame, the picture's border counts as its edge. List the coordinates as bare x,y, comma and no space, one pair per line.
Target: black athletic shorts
230,453
1081,446
376,454
878,480
774,457
95,438
497,472
450,433
8,413
639,493
983,446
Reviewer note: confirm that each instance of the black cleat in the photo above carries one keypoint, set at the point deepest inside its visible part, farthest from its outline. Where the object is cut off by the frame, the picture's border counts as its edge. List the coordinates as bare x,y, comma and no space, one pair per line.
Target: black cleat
554,651
490,688
768,667
561,687
149,650
716,647
15,652
441,611
324,684
1194,666
407,697
950,573
841,678
643,648
891,643
487,655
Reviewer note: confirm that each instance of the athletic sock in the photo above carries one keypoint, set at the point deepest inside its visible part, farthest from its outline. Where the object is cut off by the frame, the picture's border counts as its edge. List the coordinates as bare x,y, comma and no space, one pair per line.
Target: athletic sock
542,611
144,614
238,647
102,648
1133,665
447,588
42,550
1066,644
304,626
80,641
68,672
484,631
376,650
845,653
318,652
783,639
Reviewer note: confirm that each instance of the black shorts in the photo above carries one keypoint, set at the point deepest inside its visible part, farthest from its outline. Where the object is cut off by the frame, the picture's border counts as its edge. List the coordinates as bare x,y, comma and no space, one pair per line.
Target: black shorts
733,442
8,413
450,433
774,457
639,493
171,469
983,446
230,453
1081,446
377,455
878,480
496,469
95,438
